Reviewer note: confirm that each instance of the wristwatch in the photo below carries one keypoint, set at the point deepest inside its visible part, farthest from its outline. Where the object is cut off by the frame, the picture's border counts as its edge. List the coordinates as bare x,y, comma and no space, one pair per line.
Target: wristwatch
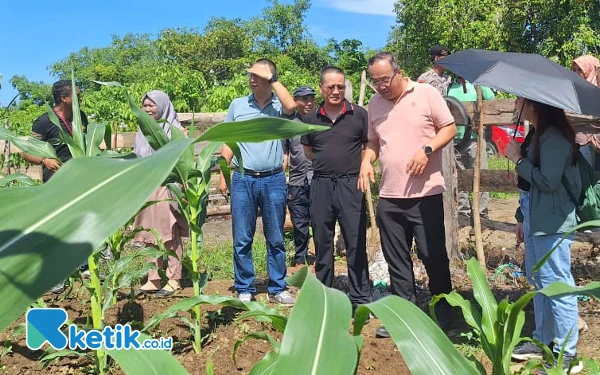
428,150
273,78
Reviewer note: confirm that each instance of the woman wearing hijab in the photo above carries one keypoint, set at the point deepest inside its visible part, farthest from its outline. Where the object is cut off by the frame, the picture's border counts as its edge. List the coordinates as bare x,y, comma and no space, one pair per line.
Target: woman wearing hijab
587,67
550,168
160,216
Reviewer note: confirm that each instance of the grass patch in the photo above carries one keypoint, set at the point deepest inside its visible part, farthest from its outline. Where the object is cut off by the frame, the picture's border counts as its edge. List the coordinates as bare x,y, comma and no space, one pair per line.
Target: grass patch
218,260
500,163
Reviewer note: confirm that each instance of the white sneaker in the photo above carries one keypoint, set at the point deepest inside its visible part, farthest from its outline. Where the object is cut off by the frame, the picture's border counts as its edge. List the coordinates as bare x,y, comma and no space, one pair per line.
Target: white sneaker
283,298
245,297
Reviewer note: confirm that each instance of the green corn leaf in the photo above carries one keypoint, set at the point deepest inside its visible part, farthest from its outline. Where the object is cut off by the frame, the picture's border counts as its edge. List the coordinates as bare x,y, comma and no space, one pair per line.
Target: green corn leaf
77,124
265,366
147,362
93,139
30,145
18,178
255,336
279,321
186,162
484,296
317,332
85,202
259,130
424,347
592,223
559,289
154,133
189,303
111,83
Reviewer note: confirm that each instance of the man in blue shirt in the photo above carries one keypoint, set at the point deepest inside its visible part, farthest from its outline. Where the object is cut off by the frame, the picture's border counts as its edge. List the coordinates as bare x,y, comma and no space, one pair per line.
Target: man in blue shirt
262,186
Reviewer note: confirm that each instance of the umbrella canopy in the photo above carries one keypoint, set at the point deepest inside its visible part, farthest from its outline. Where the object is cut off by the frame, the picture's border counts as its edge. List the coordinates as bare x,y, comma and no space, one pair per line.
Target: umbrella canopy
527,75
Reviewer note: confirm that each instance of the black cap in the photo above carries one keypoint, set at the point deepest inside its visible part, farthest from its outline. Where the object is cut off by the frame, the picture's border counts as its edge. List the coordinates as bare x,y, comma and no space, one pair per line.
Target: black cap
440,50
303,91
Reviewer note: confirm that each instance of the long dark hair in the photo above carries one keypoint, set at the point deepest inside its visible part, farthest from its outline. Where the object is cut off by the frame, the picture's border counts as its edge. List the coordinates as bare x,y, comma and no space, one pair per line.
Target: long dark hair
548,117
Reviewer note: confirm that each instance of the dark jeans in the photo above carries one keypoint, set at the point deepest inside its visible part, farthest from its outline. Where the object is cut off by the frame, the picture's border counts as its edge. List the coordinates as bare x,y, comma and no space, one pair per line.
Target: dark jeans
247,195
401,220
333,199
299,204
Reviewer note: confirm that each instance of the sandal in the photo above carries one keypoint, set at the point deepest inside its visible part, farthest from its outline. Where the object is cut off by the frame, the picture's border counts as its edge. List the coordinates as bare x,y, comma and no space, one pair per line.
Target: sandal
142,292
167,291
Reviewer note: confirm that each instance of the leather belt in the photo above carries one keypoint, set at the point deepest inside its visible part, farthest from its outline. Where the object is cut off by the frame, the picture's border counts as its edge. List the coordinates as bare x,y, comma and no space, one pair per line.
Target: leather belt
258,174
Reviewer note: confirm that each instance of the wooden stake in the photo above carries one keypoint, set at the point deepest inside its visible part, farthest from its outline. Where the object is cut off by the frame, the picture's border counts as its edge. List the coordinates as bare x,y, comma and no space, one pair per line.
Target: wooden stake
373,237
478,118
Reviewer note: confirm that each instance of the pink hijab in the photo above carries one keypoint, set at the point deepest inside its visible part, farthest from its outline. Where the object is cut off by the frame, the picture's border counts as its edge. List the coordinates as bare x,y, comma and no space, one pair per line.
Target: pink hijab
588,65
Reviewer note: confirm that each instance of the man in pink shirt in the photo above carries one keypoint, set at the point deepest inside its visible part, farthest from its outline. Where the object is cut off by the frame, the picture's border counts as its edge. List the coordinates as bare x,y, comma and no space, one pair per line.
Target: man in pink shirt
409,124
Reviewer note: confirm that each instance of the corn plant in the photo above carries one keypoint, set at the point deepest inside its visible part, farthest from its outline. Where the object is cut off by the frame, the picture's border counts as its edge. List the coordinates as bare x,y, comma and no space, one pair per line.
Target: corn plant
498,325
89,199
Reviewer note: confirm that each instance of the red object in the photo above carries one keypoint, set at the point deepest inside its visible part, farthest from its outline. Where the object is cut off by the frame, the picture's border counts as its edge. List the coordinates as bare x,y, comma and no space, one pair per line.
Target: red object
500,135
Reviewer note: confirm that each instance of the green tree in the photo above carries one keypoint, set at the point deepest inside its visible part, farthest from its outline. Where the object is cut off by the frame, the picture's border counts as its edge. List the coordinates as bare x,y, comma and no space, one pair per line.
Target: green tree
280,27
558,29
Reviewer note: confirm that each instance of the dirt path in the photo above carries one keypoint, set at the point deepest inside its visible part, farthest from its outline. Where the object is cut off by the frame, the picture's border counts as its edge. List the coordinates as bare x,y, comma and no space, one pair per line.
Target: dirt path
379,356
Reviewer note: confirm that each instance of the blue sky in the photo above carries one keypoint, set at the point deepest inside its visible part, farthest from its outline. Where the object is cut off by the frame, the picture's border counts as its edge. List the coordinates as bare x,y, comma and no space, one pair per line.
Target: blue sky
34,35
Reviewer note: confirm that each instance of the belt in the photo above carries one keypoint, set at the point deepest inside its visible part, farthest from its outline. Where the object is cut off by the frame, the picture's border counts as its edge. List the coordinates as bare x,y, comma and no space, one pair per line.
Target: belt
258,174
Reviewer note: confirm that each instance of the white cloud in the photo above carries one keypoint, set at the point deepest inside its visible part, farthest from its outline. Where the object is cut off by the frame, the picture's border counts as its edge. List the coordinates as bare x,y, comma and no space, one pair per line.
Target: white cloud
374,7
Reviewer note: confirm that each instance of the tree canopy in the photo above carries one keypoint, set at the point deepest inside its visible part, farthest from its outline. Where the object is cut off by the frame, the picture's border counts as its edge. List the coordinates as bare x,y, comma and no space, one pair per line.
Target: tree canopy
202,70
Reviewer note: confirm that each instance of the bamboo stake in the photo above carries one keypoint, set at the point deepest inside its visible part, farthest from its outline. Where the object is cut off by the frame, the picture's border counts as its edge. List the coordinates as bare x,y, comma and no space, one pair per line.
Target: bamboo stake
476,179
373,238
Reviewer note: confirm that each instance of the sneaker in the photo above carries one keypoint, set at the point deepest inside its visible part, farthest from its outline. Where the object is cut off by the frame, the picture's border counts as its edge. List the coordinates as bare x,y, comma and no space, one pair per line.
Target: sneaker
571,365
527,351
58,288
381,332
283,298
244,296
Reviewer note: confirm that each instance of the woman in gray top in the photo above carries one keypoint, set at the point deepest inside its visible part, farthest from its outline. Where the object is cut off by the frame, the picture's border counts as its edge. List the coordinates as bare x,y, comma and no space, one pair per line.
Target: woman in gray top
548,214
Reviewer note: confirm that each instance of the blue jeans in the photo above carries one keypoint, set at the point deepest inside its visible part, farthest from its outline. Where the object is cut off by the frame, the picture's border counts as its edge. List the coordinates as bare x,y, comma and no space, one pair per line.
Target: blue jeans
247,195
555,318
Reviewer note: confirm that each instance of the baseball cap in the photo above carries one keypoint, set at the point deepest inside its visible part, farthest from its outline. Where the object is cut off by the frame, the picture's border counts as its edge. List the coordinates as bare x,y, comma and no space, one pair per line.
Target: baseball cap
303,91
439,50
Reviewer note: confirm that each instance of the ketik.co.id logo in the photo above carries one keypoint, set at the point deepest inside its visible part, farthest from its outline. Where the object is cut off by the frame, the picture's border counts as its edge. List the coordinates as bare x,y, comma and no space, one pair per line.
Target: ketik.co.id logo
44,325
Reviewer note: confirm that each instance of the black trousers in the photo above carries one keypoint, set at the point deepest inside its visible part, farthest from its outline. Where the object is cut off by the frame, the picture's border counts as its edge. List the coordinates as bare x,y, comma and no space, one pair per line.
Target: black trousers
401,220
298,204
338,198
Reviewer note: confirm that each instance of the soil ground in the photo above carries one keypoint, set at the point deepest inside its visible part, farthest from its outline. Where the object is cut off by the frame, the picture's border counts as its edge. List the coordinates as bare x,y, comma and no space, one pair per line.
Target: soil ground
379,356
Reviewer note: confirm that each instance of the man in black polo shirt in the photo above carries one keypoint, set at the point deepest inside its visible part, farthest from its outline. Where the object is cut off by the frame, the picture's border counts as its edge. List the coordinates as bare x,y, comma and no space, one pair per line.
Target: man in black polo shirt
45,130
336,156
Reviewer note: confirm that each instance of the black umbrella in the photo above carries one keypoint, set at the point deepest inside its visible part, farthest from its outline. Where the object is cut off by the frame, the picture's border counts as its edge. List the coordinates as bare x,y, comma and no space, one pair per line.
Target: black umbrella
527,75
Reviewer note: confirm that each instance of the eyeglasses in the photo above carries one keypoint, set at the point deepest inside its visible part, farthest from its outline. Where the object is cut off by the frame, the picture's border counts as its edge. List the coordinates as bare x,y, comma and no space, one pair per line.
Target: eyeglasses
384,81
333,87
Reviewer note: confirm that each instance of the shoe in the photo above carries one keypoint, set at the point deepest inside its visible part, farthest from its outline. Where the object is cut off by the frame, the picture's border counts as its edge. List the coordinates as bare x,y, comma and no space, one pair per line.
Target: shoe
245,297
283,298
527,351
142,292
443,313
58,288
166,293
571,365
381,332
